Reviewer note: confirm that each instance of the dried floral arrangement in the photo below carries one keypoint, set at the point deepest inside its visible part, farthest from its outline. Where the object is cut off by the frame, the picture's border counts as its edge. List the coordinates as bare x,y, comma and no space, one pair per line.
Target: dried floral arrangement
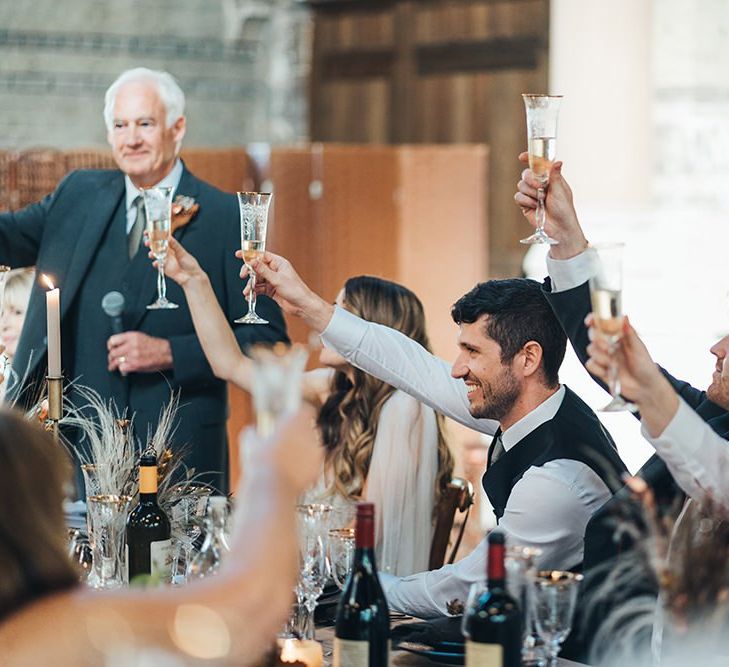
686,559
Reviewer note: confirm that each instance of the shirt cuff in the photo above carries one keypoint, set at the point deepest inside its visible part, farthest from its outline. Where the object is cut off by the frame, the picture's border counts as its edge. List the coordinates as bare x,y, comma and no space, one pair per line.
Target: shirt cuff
569,273
679,441
344,332
387,581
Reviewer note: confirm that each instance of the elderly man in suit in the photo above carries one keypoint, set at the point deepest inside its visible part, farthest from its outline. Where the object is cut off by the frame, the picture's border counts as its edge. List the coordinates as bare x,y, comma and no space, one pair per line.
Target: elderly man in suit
88,236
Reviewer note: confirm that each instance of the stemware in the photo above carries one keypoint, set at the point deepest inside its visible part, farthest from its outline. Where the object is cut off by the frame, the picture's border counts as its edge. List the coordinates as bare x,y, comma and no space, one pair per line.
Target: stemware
108,515
606,291
555,596
313,526
341,554
158,209
186,517
277,375
253,222
520,565
541,117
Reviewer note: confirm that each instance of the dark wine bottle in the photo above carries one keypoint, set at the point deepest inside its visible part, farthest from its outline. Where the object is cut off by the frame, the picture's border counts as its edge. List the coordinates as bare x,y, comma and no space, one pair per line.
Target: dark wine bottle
148,528
493,622
362,630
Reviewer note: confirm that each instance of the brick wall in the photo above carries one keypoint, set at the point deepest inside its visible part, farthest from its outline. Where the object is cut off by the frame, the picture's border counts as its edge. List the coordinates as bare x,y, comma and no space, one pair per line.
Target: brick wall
242,63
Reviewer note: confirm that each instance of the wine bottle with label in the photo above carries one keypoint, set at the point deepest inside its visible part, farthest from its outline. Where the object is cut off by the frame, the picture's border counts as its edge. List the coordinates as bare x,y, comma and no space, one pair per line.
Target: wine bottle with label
492,623
362,630
148,527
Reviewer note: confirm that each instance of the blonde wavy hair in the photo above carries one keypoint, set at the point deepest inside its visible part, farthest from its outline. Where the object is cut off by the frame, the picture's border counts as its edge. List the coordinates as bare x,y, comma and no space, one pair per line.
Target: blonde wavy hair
349,418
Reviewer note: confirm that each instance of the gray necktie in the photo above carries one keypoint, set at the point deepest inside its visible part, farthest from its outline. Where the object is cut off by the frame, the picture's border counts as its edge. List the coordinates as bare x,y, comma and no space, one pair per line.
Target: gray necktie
135,233
497,447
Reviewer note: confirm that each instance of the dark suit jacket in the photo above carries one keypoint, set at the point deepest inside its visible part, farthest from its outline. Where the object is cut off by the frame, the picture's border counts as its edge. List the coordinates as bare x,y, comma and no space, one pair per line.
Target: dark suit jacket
65,233
602,547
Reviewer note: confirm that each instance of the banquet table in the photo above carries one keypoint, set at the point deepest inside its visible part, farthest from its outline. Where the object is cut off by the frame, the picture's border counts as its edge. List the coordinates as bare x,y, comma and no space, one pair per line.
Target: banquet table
326,636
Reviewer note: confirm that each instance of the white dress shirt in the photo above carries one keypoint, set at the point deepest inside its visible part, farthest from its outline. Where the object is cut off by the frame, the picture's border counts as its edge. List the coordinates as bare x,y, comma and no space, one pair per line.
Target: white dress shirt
549,506
696,456
172,180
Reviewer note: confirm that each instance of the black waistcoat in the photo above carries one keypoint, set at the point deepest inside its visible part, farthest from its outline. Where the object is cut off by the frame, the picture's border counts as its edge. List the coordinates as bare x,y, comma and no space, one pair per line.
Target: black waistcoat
573,433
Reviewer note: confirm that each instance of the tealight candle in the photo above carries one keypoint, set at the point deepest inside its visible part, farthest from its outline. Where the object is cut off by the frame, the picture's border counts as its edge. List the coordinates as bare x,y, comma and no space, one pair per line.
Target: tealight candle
305,651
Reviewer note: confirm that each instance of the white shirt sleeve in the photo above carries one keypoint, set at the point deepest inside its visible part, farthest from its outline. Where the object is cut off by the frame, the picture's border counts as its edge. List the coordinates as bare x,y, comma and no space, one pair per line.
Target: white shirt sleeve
401,483
567,274
398,360
697,457
548,508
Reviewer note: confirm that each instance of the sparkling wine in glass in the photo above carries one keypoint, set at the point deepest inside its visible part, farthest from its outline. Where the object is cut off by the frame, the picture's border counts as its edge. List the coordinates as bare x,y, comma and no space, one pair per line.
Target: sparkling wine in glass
158,210
253,223
606,291
542,112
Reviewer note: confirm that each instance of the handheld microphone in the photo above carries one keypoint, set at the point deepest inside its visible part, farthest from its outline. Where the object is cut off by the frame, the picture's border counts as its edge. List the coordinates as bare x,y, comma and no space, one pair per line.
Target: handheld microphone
113,305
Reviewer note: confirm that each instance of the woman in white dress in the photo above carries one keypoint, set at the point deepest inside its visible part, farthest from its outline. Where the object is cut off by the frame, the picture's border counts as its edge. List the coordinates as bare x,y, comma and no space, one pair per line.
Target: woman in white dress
381,445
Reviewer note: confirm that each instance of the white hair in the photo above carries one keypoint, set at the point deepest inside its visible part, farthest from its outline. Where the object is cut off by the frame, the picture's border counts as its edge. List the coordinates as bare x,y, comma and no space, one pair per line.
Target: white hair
169,91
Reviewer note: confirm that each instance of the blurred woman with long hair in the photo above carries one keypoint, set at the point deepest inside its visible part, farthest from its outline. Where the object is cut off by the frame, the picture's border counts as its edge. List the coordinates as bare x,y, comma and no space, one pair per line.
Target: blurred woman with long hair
381,445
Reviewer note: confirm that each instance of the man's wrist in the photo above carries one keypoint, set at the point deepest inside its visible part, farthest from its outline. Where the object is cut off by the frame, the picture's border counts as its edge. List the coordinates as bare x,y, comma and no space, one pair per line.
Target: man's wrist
569,248
167,361
316,312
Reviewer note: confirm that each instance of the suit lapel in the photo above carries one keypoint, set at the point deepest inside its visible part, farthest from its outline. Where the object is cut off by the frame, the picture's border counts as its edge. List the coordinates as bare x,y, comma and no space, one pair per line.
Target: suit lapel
91,229
141,271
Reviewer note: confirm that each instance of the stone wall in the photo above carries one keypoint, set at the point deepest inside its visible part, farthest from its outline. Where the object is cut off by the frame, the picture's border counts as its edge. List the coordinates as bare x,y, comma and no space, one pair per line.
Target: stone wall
242,63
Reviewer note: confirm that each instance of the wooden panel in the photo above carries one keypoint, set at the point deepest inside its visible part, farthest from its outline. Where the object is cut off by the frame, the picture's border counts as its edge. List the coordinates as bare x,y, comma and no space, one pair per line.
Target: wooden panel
456,73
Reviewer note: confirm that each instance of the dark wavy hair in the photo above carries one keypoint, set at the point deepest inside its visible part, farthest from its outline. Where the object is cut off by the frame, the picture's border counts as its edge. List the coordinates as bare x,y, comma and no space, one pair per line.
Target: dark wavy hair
517,313
34,470
349,417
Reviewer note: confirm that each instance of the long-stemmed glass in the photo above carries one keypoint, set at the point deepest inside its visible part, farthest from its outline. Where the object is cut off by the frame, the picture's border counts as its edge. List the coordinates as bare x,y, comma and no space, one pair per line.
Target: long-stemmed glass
313,525
253,223
520,573
555,596
606,291
541,116
341,554
158,209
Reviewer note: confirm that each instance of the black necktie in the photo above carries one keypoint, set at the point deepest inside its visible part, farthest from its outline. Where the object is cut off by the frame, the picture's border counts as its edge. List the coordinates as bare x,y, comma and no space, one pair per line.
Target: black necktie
135,233
496,449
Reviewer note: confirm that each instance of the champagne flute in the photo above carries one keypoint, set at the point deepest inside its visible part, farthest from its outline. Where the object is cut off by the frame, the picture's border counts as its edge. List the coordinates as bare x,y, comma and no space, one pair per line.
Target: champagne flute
541,115
158,210
253,223
606,291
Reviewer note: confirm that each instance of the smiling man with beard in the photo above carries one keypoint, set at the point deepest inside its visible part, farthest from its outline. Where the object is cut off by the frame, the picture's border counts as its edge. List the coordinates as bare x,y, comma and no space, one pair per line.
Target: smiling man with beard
551,463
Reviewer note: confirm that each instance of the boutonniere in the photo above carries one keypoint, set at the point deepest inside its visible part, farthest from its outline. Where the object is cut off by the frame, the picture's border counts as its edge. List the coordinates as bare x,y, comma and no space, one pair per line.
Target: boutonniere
184,209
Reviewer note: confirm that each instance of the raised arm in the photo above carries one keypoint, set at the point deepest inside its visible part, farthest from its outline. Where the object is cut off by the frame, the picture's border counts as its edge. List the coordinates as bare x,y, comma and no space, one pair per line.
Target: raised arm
211,325
228,619
697,457
381,351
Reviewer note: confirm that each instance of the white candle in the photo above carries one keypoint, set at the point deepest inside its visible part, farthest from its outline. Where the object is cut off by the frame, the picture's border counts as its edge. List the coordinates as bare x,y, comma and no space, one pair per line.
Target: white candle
53,313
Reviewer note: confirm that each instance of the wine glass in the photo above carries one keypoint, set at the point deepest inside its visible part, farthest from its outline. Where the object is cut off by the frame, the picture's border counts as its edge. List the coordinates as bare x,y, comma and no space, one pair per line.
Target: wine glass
253,223
520,565
341,554
555,597
158,210
313,526
606,290
541,115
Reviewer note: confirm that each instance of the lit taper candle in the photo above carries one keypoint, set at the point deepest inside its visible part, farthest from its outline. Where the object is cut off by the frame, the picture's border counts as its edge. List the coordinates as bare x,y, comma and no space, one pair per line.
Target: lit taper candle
53,311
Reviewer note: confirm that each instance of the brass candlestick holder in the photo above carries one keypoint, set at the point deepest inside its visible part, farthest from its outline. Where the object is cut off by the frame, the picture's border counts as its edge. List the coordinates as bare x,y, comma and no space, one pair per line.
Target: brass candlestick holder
55,404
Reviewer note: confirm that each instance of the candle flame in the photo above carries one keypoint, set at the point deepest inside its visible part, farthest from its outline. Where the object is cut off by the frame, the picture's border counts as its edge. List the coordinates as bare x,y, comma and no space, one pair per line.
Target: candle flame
46,279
